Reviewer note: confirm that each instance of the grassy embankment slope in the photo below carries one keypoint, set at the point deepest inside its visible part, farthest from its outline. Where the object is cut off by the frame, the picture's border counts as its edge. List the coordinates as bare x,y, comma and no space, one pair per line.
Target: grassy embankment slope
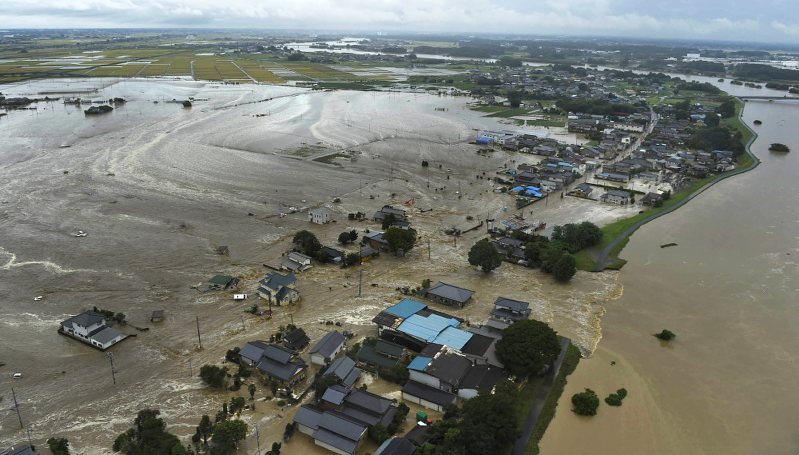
616,235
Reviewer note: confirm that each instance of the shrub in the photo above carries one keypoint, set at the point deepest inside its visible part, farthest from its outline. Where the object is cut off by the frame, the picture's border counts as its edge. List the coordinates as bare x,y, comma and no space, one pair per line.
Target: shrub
585,403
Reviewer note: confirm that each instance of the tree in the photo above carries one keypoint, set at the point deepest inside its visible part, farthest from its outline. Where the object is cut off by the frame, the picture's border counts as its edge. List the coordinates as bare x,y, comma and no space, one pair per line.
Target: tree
148,436
251,390
426,283
321,385
227,434
615,399
213,375
388,220
352,259
527,347
58,446
353,235
205,429
515,98
565,268
726,108
585,403
236,405
665,335
276,446
400,239
307,243
712,120
344,238
577,236
484,255
489,422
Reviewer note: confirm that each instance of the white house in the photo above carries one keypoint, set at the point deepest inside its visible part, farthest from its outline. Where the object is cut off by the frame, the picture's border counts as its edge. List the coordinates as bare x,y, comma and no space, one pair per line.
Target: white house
616,197
91,328
320,215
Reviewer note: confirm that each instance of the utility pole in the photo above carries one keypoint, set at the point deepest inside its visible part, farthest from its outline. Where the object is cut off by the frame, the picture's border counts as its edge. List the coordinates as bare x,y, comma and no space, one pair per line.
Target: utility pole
428,249
200,341
16,407
110,356
191,372
360,280
258,439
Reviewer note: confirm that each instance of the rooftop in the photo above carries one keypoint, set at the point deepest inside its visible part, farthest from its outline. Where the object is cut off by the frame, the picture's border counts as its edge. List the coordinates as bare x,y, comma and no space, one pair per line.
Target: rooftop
450,292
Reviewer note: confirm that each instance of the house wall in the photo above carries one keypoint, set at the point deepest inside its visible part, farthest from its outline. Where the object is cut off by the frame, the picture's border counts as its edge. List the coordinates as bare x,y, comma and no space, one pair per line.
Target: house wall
467,394
305,430
421,402
317,359
84,331
425,378
110,343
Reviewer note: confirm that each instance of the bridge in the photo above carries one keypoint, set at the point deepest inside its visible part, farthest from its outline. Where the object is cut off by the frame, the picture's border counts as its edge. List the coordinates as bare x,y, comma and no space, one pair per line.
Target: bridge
770,98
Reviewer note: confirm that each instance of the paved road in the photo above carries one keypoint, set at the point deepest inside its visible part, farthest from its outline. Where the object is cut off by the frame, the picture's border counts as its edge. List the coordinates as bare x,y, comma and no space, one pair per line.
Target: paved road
540,398
602,258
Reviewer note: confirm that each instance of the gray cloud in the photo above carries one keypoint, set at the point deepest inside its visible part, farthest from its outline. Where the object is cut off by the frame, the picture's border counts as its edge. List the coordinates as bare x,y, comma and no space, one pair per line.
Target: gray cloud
764,20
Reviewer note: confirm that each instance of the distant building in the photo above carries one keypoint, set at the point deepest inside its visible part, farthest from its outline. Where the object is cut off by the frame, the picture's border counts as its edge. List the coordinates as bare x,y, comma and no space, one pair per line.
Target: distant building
618,197
275,362
91,328
296,262
321,215
296,340
223,283
398,214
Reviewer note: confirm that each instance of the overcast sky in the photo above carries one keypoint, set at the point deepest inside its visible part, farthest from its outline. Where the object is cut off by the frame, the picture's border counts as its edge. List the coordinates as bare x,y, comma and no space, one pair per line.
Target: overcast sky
752,20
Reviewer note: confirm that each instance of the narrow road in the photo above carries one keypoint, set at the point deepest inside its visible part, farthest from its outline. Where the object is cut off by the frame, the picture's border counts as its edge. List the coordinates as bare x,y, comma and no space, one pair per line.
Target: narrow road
602,258
541,396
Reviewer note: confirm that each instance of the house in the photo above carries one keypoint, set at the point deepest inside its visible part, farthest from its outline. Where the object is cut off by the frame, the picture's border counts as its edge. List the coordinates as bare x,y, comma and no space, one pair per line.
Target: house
367,252
376,241
509,310
223,283
345,371
274,362
157,316
296,262
321,215
342,428
396,446
296,340
20,450
583,190
386,211
326,349
448,294
330,429
445,371
427,396
479,377
413,325
331,255
619,197
652,199
91,328
279,289
381,355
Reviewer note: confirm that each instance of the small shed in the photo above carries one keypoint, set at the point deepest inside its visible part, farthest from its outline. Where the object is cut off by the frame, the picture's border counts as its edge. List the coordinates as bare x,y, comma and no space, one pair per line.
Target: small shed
157,316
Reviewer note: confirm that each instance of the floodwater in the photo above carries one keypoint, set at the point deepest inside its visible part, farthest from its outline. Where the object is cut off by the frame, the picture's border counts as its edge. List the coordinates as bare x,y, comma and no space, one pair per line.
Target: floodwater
726,384
158,187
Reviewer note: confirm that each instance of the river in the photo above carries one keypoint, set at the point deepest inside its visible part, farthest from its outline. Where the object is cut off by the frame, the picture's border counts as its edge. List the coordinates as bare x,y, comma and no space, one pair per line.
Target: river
725,385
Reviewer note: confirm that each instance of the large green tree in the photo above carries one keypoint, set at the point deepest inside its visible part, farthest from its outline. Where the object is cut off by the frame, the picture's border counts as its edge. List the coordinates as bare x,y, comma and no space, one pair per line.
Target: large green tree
489,424
484,255
148,436
527,346
227,435
307,243
565,268
213,375
400,239
58,446
585,403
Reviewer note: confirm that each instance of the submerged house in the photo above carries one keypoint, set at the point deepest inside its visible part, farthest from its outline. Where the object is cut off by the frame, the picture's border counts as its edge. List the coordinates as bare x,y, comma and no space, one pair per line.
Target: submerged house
326,349
275,362
279,289
448,294
91,328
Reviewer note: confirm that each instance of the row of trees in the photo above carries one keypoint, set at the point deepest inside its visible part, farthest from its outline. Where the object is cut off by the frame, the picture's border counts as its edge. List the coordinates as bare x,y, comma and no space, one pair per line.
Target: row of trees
576,237
551,256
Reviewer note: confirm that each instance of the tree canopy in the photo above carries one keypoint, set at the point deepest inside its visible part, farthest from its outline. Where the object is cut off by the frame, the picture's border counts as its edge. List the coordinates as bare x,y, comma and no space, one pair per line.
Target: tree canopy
526,347
58,446
213,375
307,243
577,236
148,437
227,435
484,255
400,239
564,268
585,403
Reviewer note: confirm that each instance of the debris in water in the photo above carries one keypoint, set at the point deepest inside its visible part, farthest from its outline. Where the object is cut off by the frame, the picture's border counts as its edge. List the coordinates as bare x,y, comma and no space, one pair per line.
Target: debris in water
666,245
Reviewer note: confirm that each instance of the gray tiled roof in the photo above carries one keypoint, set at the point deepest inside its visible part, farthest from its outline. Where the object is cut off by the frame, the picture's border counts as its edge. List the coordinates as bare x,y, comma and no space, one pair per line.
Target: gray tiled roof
514,305
335,394
327,346
21,450
368,401
450,292
85,319
450,368
106,335
309,416
339,424
428,393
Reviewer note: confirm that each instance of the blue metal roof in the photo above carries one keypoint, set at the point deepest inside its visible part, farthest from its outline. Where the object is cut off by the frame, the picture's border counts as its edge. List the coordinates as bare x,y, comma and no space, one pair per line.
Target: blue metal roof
419,363
406,308
517,189
453,337
426,328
